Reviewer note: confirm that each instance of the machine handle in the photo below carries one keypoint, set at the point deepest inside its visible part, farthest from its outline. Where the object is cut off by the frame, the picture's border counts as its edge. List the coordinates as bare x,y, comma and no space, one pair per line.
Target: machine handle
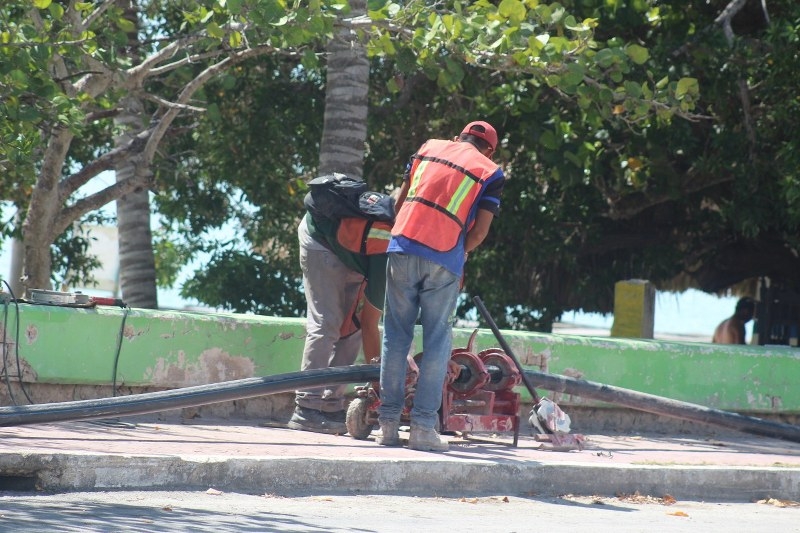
485,313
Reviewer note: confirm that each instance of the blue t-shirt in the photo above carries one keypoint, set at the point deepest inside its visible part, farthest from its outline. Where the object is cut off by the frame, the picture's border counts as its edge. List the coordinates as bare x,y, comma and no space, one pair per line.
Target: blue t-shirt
454,259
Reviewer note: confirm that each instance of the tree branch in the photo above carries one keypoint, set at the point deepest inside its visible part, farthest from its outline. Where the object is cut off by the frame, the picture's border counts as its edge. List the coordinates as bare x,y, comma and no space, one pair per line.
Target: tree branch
136,74
97,13
764,9
77,180
162,124
100,115
147,141
70,214
724,19
166,103
633,204
186,60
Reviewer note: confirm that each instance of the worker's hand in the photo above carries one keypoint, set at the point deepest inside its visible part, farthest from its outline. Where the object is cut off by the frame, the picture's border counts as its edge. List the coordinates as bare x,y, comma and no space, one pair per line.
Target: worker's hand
453,371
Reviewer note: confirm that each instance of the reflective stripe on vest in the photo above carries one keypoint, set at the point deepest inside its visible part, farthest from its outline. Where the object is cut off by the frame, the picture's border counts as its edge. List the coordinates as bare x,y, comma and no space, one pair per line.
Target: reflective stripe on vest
363,236
445,181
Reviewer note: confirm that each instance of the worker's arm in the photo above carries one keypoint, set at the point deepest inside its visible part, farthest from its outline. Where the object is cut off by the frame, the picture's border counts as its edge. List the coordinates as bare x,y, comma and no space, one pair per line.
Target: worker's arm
370,335
479,230
372,308
401,195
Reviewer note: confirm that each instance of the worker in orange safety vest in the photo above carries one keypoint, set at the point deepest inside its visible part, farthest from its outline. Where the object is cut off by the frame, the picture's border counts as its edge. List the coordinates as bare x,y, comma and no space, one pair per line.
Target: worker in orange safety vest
449,197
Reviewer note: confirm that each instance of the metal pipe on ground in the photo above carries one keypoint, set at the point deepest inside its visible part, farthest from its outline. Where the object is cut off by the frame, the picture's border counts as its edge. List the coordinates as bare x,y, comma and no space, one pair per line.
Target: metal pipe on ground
153,402
659,405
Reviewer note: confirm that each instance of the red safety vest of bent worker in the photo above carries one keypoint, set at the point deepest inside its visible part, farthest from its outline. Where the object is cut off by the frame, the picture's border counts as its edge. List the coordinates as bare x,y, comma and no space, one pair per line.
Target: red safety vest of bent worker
363,236
446,178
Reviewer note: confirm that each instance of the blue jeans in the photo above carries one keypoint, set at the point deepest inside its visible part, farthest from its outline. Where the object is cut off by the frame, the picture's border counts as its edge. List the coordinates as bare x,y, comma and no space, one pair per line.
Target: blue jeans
416,287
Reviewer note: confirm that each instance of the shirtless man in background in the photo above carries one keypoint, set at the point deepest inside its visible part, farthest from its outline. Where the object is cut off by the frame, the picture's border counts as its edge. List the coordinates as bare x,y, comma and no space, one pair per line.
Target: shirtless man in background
731,330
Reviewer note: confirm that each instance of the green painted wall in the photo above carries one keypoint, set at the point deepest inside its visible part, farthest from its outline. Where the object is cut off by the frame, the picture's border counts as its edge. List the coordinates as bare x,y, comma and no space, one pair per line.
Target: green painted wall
64,345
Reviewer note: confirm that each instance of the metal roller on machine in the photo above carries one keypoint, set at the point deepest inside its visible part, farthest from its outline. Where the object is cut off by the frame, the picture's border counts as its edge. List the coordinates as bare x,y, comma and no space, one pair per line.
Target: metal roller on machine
480,399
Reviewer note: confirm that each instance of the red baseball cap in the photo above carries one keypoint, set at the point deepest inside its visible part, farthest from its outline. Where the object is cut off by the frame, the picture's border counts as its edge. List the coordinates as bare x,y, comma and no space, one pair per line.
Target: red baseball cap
482,130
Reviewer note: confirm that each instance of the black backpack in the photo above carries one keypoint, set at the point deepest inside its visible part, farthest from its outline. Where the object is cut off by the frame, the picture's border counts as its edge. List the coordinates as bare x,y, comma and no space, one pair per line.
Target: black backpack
336,196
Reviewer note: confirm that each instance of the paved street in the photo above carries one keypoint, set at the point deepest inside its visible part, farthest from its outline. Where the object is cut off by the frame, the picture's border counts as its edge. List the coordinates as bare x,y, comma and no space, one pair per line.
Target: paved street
213,511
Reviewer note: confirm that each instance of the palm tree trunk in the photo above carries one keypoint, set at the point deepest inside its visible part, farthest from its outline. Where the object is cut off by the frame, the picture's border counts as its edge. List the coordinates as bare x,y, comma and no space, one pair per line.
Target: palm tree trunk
345,128
137,266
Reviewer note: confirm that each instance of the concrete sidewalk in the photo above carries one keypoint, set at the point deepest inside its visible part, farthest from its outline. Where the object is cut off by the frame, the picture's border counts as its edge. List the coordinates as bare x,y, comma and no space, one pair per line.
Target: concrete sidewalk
243,456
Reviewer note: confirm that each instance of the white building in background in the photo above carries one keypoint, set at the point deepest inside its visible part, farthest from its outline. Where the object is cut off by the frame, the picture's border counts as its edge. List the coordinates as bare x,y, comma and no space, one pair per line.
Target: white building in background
104,244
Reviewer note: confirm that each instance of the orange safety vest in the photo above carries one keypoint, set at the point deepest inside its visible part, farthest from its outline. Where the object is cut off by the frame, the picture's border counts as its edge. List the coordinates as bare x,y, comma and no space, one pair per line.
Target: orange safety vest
363,236
446,179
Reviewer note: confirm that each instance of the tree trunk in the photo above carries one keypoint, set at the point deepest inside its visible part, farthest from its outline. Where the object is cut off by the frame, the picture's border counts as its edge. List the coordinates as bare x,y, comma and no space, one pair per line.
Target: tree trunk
344,131
137,265
39,226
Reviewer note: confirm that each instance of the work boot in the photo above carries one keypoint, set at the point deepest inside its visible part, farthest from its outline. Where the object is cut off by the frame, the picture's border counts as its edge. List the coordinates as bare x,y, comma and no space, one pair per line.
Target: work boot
389,434
427,440
306,419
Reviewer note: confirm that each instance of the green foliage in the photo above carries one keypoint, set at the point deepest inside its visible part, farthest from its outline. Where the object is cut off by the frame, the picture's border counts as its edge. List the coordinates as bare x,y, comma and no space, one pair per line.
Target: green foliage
243,282
546,41
581,145
680,203
240,166
623,134
170,257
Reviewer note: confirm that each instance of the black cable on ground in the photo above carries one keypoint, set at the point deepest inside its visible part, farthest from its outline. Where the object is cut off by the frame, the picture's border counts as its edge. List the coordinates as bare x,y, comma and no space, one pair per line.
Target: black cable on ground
120,336
650,403
153,402
115,422
5,353
16,348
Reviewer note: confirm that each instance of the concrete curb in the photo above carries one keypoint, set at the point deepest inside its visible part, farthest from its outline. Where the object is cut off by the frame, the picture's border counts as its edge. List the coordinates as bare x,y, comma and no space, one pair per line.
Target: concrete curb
420,477
242,457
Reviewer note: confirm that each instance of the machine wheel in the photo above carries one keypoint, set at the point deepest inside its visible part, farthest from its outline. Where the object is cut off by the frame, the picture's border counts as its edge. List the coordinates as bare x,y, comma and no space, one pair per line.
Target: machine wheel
356,419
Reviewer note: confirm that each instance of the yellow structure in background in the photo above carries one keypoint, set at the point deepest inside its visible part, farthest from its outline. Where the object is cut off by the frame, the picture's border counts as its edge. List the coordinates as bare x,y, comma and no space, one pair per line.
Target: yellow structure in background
634,309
